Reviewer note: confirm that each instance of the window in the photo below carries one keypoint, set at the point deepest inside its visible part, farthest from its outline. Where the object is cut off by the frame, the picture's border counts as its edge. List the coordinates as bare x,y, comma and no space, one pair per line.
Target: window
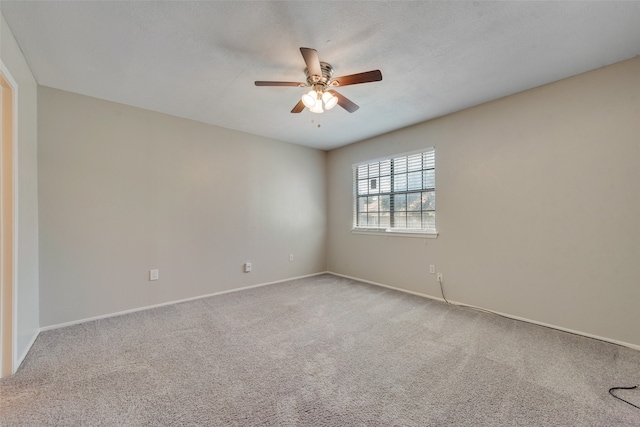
396,194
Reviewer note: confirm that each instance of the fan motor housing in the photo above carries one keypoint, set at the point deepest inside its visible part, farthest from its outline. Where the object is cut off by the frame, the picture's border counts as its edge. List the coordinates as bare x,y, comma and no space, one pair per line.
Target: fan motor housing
327,72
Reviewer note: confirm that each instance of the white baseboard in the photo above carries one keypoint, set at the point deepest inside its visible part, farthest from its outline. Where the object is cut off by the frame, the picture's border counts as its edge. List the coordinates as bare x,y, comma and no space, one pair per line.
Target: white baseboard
510,316
148,307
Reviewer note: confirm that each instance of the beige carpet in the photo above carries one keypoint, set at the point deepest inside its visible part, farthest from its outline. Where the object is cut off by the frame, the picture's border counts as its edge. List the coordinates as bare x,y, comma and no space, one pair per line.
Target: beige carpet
322,351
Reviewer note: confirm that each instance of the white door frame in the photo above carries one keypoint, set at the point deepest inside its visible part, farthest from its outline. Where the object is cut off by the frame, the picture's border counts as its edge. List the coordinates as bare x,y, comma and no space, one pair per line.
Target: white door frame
8,252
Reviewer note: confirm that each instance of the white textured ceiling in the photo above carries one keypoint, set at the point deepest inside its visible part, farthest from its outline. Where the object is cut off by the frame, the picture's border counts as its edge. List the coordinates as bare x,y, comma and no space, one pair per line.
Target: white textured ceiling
199,59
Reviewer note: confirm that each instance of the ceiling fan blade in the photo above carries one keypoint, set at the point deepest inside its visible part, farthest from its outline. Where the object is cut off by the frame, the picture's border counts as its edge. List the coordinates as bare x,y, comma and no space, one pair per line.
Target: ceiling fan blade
298,108
353,79
344,102
311,59
297,84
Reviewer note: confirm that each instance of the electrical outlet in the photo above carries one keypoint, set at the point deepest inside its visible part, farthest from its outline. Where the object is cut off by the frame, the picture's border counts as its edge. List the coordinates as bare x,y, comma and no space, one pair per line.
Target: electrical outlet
432,269
154,274
247,267
440,277
290,257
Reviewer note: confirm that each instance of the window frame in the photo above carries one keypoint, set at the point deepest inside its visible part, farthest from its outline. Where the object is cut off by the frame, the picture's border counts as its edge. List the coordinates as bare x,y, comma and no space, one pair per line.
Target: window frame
389,231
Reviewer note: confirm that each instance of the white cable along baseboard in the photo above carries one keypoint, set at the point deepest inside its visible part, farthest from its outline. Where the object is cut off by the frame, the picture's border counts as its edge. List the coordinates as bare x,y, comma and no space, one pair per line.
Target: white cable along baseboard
510,316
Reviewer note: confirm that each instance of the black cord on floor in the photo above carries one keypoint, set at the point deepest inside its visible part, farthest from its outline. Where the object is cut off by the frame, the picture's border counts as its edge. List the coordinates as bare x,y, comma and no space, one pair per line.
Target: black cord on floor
619,398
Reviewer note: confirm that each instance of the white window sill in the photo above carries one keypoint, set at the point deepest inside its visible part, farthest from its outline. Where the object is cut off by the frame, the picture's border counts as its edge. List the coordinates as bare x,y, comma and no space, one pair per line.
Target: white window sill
396,233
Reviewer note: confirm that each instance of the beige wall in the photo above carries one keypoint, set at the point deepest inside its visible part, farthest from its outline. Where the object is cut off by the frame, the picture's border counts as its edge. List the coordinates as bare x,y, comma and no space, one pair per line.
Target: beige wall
124,190
538,206
27,191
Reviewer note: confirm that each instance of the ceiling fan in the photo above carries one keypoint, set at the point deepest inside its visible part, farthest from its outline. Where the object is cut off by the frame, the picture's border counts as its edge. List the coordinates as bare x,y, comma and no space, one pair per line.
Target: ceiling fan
320,79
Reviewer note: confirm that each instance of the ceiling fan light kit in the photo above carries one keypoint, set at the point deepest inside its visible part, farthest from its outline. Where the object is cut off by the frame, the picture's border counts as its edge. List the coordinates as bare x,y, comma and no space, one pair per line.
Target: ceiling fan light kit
319,78
316,98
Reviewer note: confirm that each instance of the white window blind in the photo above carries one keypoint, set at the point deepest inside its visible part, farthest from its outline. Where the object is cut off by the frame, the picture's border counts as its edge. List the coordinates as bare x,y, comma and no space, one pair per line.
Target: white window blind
396,193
